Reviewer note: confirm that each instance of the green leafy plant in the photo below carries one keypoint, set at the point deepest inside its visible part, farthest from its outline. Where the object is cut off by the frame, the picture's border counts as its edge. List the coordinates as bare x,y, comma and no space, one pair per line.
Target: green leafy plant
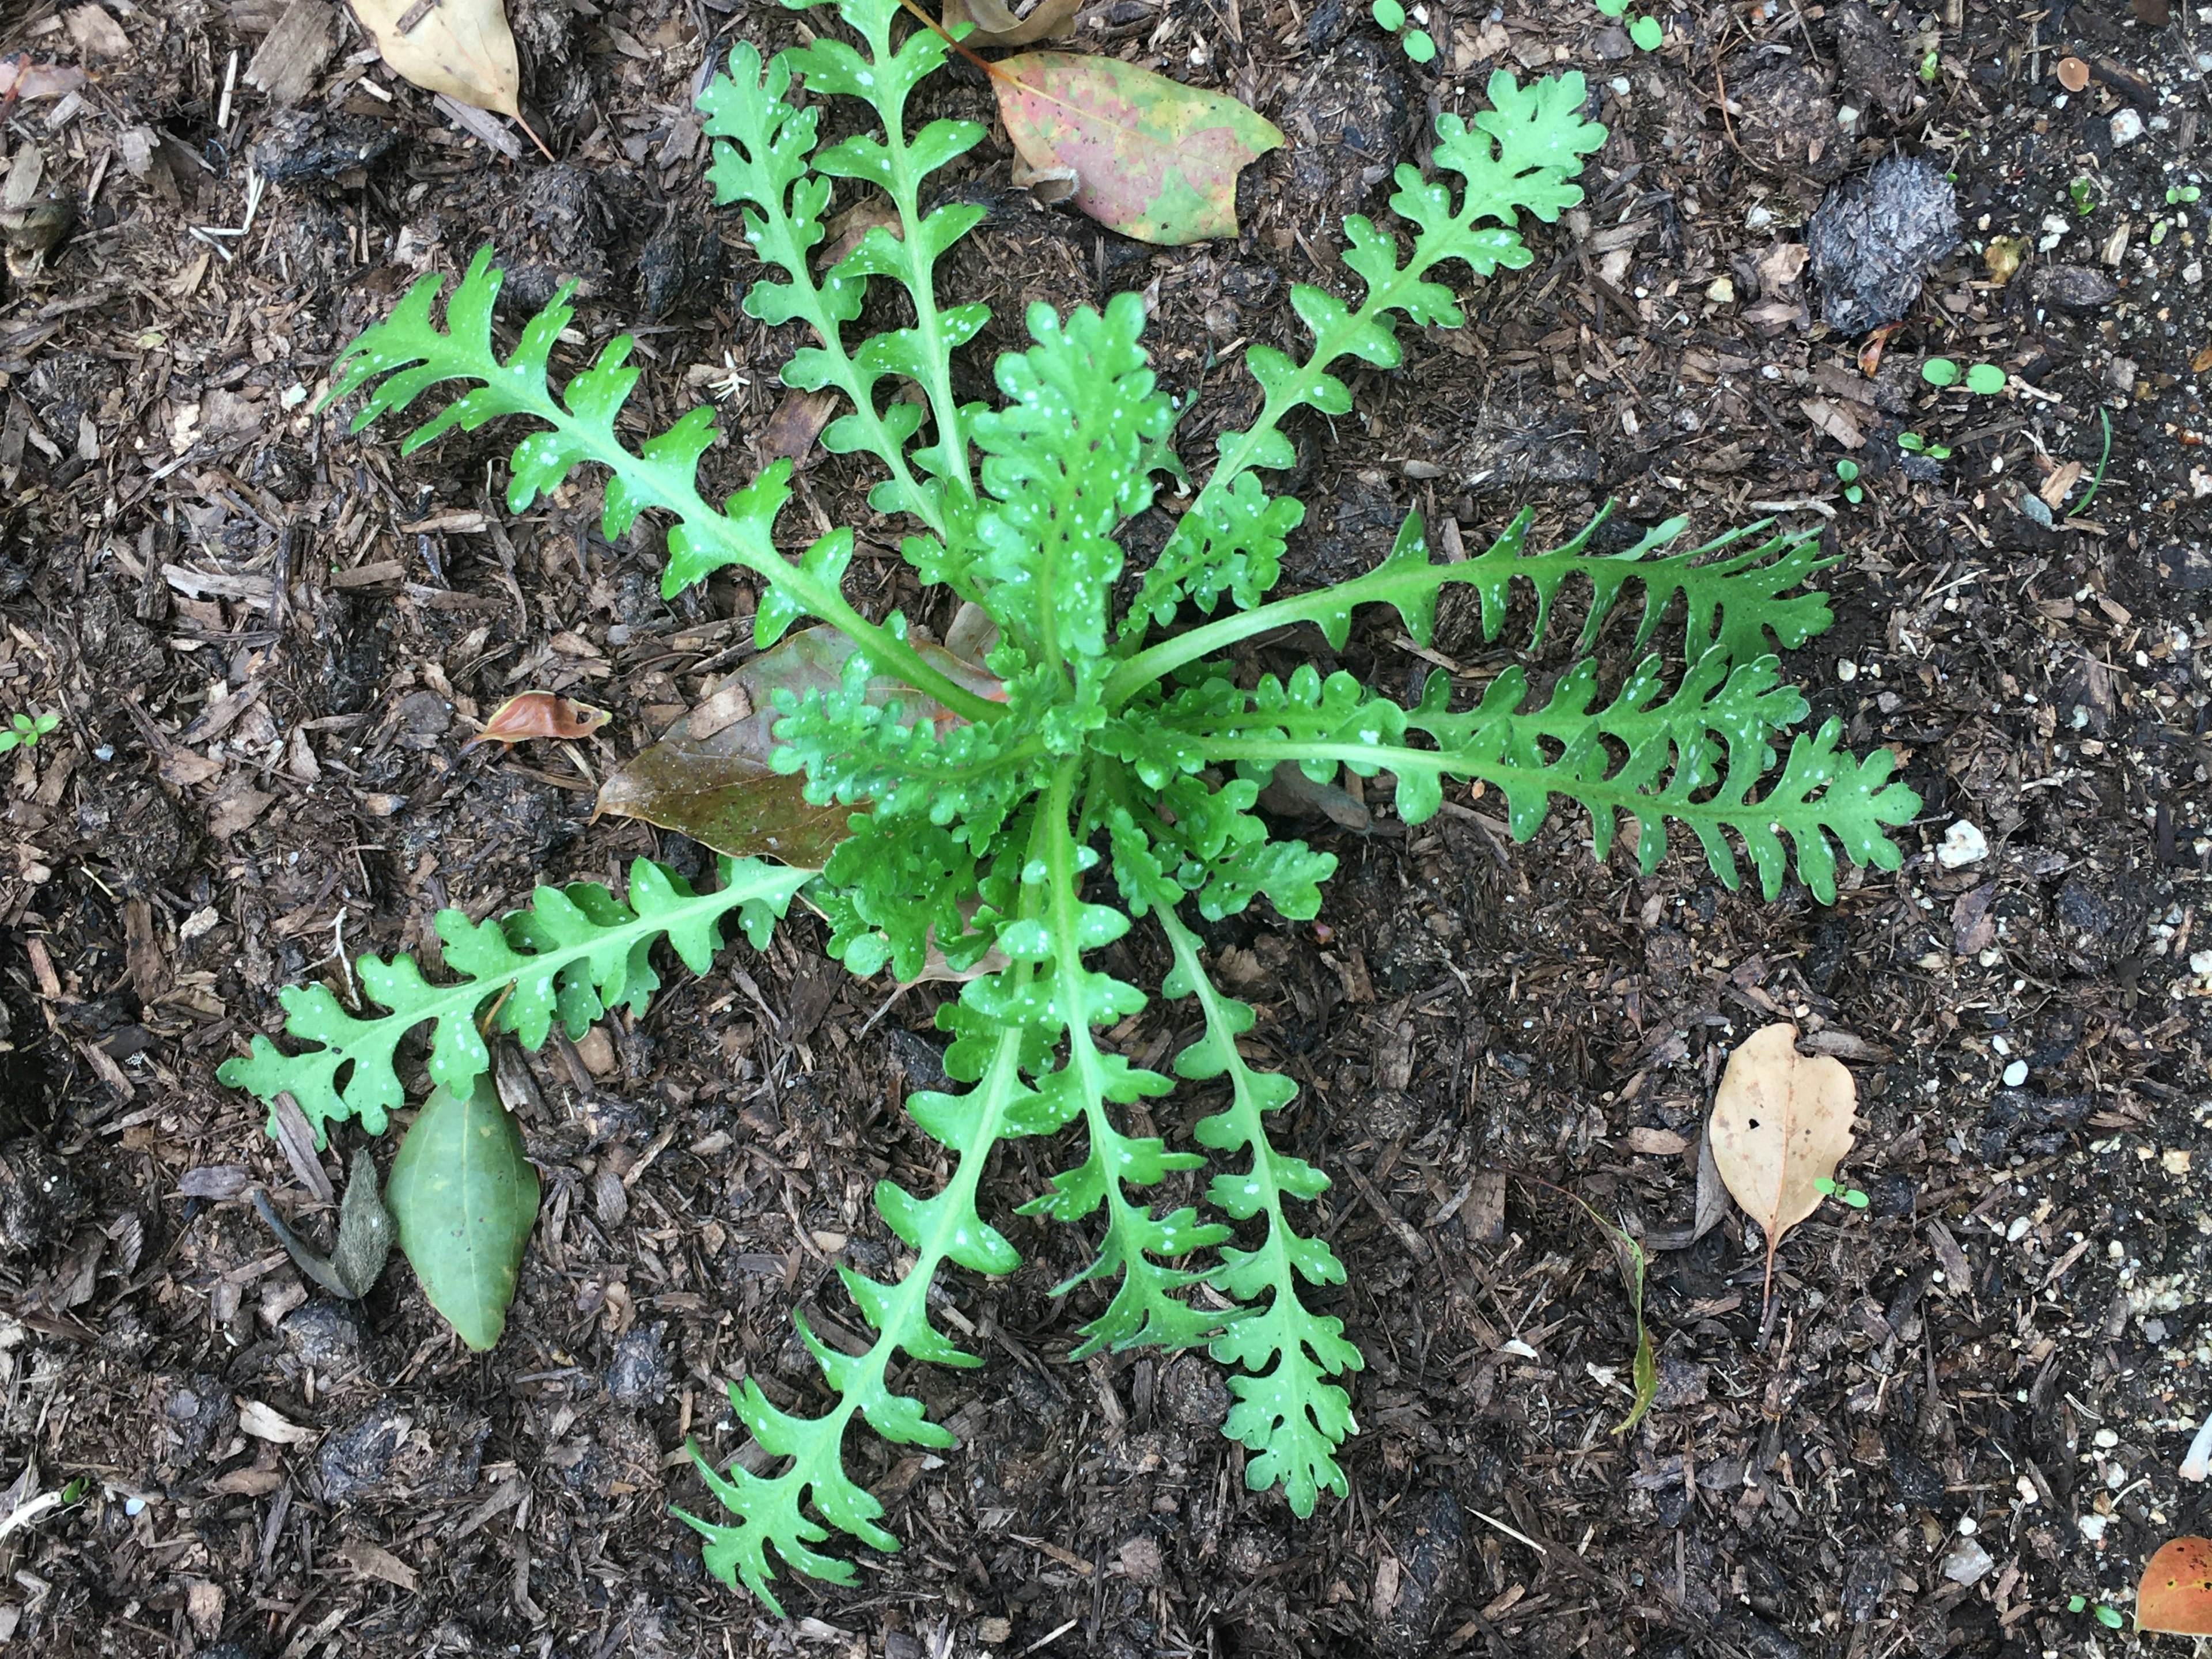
2176,195
2105,1614
1848,471
2079,193
1913,444
1931,67
1105,770
26,730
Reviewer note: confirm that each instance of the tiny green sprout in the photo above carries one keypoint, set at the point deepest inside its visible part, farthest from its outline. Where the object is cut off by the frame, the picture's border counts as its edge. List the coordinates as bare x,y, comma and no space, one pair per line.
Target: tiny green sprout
74,1493
1647,33
1931,66
26,730
2078,192
2076,1603
1613,8
1389,15
1940,371
2109,1617
1913,444
1985,379
1417,45
2177,194
1848,470
1851,1195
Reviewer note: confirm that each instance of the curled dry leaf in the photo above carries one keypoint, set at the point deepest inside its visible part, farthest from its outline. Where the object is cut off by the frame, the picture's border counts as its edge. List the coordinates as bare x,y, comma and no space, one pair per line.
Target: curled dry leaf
1780,1124
22,78
1154,158
995,24
539,715
2175,1595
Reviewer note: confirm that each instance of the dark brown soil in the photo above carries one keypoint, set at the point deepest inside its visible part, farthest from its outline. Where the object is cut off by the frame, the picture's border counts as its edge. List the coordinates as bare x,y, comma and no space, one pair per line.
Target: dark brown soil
268,643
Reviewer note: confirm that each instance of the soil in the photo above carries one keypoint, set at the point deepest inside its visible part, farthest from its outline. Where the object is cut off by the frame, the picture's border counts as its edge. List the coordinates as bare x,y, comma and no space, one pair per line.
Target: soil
1956,1427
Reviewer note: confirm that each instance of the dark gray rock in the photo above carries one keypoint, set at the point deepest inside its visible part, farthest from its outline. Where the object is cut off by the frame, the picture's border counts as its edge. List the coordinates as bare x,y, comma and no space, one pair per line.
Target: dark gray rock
1874,238
639,1374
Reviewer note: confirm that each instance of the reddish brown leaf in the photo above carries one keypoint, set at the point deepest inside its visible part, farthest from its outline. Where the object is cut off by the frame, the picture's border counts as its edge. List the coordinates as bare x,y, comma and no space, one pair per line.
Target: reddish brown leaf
539,715
997,26
710,776
1152,158
2175,1595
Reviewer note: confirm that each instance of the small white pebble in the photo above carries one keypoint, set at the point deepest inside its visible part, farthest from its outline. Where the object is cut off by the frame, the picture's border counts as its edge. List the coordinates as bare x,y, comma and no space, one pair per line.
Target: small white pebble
2200,962
2127,127
2105,1439
1963,844
1847,671
2016,1074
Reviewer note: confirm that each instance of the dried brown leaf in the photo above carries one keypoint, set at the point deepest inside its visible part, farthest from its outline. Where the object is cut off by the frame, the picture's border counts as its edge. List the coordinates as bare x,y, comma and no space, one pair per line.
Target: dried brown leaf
539,715
997,26
1780,1123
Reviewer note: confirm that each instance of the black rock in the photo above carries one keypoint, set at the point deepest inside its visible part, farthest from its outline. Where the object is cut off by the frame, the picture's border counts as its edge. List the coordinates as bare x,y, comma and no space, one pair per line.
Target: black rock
325,1336
639,1374
2074,288
1874,238
317,144
2033,1125
1866,1581
356,1458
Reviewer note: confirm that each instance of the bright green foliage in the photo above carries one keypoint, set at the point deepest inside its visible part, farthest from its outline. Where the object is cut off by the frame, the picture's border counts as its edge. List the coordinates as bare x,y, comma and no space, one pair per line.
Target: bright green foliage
24,730
576,952
1112,775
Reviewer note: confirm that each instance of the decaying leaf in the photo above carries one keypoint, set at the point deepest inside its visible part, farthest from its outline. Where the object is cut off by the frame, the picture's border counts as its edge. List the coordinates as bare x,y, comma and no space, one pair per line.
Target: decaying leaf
797,423
2175,1595
21,78
1154,159
539,715
1780,1124
710,778
462,48
997,26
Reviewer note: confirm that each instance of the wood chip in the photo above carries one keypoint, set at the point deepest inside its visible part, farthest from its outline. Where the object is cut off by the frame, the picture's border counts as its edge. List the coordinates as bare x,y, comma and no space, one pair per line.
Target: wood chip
294,53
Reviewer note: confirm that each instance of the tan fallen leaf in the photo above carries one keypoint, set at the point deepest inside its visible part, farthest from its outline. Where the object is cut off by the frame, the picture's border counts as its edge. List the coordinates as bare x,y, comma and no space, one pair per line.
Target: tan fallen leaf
462,48
997,26
265,1422
1780,1124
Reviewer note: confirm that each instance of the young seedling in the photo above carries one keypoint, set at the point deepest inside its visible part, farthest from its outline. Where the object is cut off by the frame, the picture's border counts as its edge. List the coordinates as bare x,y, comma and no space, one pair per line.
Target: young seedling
25,730
1010,815
1390,17
2110,1617
1986,379
1931,67
2177,195
1848,470
2079,193
1913,444
1851,1195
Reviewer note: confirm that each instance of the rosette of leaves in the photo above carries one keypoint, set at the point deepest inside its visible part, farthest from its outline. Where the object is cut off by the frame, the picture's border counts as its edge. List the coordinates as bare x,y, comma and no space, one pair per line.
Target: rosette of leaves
1104,776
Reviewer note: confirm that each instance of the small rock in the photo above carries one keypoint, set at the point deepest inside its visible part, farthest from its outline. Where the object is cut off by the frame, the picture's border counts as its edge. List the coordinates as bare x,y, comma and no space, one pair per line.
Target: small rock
1968,1563
1963,844
1874,238
2127,127
639,1372
2016,1074
1141,1560
324,1336
1680,1383
2076,287
355,1459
